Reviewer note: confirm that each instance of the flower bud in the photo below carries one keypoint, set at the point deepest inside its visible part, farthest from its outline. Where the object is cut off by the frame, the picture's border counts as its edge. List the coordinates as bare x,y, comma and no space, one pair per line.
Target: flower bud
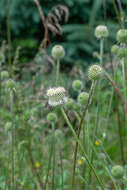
101,31
122,52
56,96
83,98
117,171
10,84
69,104
58,52
4,75
52,117
122,36
114,49
95,72
77,85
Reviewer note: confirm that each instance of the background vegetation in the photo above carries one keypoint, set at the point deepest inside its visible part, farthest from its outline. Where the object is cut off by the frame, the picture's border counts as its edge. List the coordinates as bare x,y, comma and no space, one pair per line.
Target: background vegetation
31,66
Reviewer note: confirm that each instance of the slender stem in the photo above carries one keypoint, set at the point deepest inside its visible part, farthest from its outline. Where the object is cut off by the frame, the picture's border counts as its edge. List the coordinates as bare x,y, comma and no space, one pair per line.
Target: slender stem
121,13
118,91
0,82
101,51
79,131
49,165
34,171
9,37
61,166
12,142
120,138
124,78
57,71
82,148
53,168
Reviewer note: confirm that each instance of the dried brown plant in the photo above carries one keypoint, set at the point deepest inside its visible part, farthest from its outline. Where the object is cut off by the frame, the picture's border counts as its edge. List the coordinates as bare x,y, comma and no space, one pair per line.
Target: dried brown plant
51,22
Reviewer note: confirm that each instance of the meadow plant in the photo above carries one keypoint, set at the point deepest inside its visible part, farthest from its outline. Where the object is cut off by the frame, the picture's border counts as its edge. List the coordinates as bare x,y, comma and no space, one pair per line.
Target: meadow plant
66,136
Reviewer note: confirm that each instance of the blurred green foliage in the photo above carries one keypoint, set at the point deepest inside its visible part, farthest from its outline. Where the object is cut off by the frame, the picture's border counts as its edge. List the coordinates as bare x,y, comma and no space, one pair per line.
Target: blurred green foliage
78,34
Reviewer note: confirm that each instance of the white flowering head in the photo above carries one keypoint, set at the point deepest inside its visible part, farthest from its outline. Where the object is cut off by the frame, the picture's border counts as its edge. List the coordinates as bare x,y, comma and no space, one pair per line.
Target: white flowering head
101,31
56,96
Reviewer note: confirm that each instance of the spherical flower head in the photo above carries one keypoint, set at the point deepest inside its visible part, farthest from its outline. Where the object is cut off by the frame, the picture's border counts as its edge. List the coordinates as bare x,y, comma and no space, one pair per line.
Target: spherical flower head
117,171
101,31
69,104
58,52
10,84
4,75
56,96
95,72
114,49
77,85
122,36
83,98
52,117
122,52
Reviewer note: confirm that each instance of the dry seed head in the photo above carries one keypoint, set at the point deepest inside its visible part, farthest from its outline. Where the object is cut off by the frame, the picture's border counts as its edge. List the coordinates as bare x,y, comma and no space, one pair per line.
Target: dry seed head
101,31
58,52
122,36
95,72
56,96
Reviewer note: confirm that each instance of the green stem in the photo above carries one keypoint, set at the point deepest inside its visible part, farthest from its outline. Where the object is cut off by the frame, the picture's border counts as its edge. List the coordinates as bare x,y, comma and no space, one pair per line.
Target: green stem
9,37
12,142
53,168
49,165
61,165
57,71
101,51
82,148
79,131
124,78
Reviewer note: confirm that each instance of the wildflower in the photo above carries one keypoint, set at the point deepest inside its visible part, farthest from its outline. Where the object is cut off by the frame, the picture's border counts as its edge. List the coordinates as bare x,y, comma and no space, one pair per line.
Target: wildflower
10,84
83,98
37,165
117,171
95,72
69,104
77,85
58,52
52,117
101,31
115,49
4,75
97,143
56,96
80,161
122,36
122,52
